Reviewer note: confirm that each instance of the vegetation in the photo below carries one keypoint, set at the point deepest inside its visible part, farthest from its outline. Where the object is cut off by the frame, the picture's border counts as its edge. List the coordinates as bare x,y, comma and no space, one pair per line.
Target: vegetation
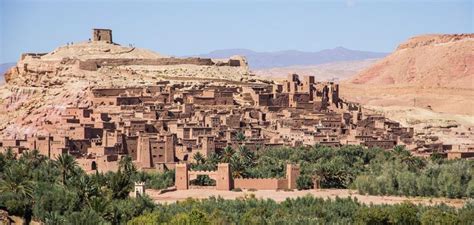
304,210
372,171
59,192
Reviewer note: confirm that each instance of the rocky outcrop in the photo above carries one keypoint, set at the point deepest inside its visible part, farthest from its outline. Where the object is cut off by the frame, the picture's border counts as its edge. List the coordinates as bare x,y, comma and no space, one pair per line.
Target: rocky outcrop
434,39
426,61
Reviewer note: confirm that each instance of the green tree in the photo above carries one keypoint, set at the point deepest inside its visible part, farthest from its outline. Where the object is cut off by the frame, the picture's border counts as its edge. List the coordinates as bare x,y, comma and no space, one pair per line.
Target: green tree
304,182
195,217
198,158
16,191
240,137
126,165
66,164
405,213
120,184
227,154
435,216
372,215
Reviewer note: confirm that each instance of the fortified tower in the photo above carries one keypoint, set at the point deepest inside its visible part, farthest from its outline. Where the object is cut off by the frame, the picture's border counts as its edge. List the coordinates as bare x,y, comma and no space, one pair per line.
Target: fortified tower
102,35
292,173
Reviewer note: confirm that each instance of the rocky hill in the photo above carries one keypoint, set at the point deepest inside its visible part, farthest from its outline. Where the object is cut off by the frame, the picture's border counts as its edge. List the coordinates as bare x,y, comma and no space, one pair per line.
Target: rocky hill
426,61
41,85
265,60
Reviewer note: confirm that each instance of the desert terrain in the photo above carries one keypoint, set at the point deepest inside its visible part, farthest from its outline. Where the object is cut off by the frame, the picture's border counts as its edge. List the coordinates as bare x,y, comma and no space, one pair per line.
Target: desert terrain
428,81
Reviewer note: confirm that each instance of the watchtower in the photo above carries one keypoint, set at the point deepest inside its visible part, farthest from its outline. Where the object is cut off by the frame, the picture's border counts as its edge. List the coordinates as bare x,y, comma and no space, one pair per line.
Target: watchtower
139,189
102,35
292,173
182,178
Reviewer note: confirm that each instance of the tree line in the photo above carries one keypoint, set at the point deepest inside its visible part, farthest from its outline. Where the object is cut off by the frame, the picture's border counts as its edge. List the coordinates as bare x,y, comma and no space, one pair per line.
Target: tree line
373,171
58,191
302,210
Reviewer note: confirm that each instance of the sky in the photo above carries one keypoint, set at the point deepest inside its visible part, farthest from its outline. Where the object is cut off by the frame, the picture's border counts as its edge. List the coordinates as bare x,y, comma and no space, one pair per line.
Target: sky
195,27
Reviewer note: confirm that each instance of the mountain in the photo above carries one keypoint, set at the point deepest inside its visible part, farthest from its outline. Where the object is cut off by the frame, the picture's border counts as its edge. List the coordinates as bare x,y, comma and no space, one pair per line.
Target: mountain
3,68
335,71
262,60
426,61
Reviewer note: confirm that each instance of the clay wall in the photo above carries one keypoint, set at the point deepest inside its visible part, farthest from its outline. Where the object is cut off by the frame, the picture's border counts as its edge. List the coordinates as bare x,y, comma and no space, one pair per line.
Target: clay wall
78,112
384,144
280,100
32,55
79,146
260,183
102,35
263,99
198,100
104,92
128,101
460,155
131,145
94,64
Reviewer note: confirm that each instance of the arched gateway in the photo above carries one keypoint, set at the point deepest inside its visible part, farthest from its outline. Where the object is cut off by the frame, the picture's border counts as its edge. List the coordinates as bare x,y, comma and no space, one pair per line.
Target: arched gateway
221,176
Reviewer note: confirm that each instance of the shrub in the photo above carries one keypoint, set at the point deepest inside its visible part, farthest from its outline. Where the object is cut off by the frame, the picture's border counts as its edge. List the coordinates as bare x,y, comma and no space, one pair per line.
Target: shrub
304,182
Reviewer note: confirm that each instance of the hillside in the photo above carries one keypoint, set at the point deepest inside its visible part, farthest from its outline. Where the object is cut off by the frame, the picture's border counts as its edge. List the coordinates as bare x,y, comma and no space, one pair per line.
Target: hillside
434,72
426,61
264,60
41,85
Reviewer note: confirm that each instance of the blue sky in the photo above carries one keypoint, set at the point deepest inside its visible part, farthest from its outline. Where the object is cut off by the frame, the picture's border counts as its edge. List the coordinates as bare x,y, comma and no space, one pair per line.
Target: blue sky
192,27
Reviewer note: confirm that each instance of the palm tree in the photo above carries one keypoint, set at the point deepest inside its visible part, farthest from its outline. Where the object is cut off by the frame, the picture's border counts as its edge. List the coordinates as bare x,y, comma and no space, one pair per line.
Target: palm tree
120,184
227,154
126,165
32,158
213,159
9,154
240,137
237,167
199,158
86,188
246,155
66,164
17,186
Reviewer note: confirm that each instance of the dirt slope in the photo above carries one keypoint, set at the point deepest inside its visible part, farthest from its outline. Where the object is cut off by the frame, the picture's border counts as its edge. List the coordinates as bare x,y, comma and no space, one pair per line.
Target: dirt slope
426,61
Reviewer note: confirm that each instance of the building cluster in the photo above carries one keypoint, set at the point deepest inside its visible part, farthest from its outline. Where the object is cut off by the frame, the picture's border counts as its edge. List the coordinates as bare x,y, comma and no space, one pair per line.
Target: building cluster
164,124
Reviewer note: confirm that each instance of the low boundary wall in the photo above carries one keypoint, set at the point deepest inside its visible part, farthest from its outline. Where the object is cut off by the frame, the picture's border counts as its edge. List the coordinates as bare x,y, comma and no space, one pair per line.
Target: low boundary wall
261,183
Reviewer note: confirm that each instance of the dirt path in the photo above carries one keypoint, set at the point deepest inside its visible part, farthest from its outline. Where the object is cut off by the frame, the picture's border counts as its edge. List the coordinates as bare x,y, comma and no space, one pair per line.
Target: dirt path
279,196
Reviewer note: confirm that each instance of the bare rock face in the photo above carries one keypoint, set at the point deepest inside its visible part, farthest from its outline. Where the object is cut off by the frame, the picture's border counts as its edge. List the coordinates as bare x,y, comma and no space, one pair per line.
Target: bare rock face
426,61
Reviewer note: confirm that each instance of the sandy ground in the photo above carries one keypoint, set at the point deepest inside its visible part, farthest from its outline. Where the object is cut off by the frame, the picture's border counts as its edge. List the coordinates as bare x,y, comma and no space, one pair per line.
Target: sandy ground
279,196
448,101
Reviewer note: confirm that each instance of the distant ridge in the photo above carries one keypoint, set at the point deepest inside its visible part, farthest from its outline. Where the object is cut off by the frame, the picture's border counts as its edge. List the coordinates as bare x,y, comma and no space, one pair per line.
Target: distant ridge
262,60
3,68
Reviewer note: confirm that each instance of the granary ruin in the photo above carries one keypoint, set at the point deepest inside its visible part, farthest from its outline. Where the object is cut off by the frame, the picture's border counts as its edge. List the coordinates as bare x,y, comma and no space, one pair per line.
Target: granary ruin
162,122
